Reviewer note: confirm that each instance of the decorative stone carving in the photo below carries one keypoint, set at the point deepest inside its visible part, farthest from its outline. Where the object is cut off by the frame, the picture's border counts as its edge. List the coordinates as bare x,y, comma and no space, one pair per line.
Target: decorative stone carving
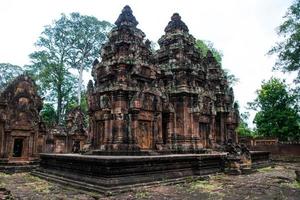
181,95
22,131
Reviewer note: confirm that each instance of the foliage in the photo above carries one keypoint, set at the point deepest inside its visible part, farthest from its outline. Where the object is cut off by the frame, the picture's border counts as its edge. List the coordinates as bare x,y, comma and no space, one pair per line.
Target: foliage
288,50
231,78
48,114
7,73
70,42
243,128
55,81
142,195
86,35
277,114
204,46
72,104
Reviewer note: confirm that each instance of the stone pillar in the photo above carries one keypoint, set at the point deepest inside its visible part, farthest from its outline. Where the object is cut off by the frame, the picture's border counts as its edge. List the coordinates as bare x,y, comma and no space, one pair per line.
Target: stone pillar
2,140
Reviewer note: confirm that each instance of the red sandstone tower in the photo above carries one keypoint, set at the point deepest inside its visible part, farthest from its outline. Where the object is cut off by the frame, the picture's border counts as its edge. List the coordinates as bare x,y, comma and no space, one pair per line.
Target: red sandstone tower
21,129
124,104
173,100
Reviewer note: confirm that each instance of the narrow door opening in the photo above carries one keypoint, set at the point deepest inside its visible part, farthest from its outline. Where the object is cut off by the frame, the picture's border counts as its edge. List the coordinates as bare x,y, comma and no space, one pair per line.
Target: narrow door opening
18,147
165,117
76,146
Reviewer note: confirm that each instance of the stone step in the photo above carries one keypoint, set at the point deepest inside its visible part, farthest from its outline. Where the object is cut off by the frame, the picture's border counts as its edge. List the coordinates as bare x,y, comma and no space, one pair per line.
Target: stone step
17,168
84,186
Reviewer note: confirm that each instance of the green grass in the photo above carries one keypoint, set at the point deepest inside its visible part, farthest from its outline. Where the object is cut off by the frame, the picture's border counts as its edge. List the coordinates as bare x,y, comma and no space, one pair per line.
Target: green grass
294,185
265,169
4,175
141,195
205,186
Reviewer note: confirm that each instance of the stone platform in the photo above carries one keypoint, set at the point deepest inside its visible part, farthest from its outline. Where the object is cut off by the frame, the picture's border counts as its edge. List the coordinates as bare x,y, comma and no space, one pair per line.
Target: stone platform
110,174
18,166
260,159
113,174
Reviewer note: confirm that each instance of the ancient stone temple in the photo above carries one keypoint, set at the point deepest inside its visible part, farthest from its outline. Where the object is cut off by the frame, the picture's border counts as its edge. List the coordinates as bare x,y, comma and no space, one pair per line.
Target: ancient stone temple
21,130
171,100
169,113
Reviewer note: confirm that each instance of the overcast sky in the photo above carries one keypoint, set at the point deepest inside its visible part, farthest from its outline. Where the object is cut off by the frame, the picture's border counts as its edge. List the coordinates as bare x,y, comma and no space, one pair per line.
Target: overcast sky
244,30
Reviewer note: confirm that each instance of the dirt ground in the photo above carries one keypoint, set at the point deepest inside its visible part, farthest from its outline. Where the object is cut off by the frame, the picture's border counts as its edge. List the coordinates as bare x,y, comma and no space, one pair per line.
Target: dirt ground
267,183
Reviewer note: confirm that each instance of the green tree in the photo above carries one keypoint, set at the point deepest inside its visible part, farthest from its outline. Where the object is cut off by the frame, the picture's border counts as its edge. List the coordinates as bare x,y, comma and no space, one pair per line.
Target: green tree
72,104
71,42
86,35
7,73
204,46
243,128
277,114
48,114
55,82
288,50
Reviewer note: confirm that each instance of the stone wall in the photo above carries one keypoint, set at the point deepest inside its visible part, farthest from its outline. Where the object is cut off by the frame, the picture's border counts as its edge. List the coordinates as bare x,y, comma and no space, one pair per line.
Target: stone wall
279,149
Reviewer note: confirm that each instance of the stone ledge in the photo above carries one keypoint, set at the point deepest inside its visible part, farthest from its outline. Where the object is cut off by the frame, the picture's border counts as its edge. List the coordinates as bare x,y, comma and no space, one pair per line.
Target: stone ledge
110,174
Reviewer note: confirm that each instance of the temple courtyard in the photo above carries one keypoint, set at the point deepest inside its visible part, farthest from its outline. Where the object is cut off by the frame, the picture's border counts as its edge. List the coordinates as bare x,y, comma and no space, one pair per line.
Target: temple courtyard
277,182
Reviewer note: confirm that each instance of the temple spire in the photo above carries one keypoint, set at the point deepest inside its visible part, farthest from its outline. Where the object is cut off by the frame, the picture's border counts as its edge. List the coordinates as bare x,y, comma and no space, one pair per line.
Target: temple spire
126,18
176,24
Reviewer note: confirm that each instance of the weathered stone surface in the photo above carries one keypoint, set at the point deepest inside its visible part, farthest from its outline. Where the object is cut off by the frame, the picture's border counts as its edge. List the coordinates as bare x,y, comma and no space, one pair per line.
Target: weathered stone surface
108,174
267,183
124,103
173,100
21,129
69,139
76,132
143,103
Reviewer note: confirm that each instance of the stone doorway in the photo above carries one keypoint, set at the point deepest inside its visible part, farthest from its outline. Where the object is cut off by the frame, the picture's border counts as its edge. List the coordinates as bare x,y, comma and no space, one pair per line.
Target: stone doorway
204,133
18,147
165,117
76,146
145,135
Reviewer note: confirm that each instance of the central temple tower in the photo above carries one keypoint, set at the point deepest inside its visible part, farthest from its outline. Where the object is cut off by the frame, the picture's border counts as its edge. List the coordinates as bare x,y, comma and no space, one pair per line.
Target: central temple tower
124,104
174,100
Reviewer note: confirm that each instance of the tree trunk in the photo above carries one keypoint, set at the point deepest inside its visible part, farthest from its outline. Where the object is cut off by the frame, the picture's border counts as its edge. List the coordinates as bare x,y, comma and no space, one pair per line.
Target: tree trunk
79,84
59,104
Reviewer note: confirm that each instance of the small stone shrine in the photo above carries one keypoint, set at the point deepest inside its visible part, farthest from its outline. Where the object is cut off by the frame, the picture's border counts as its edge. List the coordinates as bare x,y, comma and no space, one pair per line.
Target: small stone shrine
75,130
21,129
69,139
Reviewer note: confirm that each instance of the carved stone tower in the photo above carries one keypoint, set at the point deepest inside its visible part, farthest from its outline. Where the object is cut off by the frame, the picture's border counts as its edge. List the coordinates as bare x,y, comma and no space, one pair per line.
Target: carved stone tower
21,129
177,100
124,105
184,78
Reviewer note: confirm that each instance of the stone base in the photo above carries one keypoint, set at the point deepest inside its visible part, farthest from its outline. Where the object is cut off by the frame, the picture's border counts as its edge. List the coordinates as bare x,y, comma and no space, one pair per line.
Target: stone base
17,166
134,150
111,174
260,159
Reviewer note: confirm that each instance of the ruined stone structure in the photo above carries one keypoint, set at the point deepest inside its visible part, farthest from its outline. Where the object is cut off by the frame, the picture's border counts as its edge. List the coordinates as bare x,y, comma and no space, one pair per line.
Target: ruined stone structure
69,139
172,100
21,129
